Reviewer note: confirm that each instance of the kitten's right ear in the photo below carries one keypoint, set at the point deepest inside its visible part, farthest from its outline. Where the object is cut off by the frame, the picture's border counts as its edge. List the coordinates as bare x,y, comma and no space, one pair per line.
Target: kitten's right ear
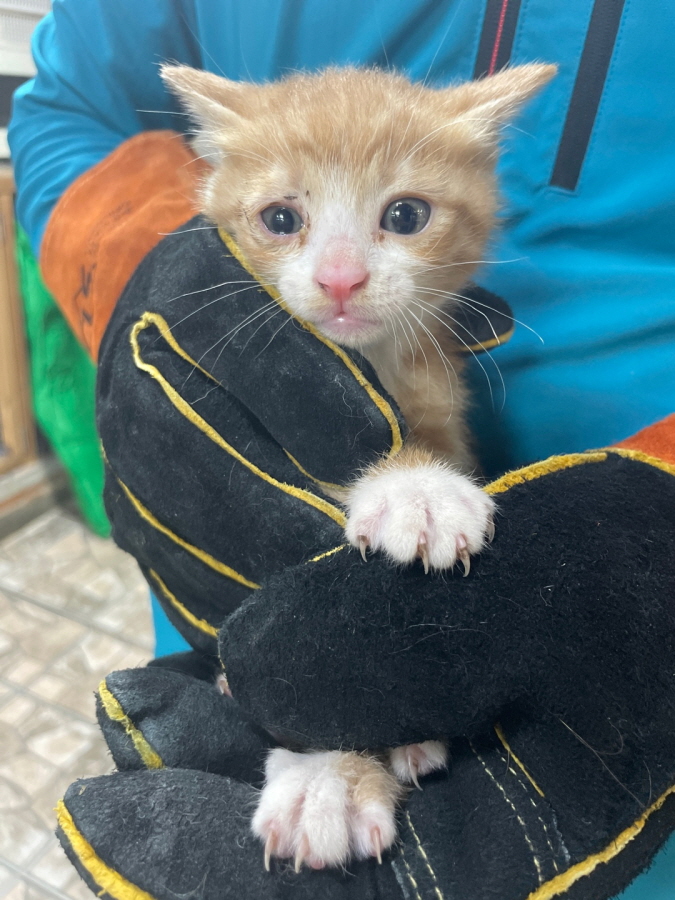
487,104
216,105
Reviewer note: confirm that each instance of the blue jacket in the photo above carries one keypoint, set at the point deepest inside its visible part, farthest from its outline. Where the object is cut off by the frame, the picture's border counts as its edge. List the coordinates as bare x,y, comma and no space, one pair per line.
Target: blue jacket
586,250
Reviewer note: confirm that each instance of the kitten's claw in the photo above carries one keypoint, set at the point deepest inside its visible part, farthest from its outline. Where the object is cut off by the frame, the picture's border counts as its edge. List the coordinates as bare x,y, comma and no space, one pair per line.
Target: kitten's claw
423,554
222,685
412,771
363,546
490,530
301,855
376,839
465,559
270,848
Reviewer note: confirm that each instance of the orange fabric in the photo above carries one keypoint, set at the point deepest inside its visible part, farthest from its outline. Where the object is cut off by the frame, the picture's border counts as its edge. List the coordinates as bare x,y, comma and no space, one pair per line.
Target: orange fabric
109,220
658,440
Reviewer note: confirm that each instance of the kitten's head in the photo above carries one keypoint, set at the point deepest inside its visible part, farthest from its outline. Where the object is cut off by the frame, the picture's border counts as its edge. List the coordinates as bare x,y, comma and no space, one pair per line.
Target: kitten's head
361,196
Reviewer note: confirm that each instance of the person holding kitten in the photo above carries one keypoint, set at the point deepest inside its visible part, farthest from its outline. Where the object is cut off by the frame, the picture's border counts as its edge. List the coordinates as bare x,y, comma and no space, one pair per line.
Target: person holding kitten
103,174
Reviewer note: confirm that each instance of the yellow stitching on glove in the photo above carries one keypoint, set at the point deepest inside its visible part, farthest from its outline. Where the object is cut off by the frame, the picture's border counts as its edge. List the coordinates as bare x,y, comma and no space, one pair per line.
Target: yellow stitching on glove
643,457
111,881
556,463
192,416
507,799
536,470
565,880
115,711
200,624
489,344
378,399
422,852
327,553
324,484
201,555
502,737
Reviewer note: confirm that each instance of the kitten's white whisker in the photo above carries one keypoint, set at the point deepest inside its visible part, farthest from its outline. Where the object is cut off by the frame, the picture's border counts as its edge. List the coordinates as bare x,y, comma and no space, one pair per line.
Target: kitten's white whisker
469,262
205,306
232,334
442,41
398,348
262,325
446,362
187,230
425,140
212,287
164,112
249,320
426,361
284,323
404,327
479,311
470,301
432,312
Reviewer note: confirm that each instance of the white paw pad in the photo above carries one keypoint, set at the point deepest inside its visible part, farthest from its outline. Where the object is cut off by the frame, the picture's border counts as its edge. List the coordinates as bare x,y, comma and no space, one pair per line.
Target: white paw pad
412,760
428,512
323,808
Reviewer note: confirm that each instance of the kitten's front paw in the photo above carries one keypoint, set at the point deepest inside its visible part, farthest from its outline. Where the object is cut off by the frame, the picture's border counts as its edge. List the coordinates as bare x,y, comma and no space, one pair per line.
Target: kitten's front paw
323,808
427,511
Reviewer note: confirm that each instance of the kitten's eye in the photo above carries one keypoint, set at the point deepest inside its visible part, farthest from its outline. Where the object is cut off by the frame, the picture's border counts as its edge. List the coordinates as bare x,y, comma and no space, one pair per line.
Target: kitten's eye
406,216
281,220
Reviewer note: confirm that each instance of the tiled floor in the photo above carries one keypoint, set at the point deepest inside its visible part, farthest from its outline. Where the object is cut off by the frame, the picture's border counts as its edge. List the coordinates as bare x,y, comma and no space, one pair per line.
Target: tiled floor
72,608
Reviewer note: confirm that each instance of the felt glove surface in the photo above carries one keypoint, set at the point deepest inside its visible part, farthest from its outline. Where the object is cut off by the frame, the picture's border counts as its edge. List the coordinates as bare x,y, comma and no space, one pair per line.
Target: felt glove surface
218,412
549,668
570,609
525,810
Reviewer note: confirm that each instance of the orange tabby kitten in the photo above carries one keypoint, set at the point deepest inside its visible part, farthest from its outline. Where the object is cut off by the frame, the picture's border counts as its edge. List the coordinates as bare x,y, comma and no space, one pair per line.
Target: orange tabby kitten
367,201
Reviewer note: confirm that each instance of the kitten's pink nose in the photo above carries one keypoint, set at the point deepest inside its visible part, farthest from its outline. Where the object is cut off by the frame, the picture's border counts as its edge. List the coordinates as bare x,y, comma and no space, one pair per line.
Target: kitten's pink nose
341,281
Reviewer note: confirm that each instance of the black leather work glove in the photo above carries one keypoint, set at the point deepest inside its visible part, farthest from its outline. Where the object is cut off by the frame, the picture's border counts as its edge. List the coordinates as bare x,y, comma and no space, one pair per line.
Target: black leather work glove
549,668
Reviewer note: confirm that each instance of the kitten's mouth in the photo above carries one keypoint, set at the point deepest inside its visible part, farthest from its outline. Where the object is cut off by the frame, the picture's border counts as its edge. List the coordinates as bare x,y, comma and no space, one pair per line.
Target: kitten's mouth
347,328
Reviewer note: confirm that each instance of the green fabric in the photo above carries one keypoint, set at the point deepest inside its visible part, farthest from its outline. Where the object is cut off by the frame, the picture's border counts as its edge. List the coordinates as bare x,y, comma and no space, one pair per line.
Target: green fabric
63,382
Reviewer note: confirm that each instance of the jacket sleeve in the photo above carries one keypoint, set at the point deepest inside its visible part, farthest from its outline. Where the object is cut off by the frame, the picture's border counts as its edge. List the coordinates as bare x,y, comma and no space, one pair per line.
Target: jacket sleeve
97,84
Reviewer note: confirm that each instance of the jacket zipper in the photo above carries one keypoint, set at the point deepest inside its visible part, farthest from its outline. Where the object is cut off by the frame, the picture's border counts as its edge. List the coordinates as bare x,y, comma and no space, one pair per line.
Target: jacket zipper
496,39
588,87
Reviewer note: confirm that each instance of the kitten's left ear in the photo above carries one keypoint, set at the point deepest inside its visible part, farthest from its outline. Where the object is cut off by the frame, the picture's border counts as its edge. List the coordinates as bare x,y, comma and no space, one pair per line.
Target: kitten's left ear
490,102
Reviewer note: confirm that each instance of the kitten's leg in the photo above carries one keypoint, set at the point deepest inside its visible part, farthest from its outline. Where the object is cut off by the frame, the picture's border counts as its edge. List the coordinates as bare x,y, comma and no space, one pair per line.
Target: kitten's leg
412,760
419,506
323,808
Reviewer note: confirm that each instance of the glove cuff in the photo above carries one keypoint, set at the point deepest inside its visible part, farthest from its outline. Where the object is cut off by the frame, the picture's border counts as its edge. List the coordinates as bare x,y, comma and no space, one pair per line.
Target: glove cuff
109,219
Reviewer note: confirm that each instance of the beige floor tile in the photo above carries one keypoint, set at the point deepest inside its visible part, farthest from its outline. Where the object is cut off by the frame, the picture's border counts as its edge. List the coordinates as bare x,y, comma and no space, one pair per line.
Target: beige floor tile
22,669
27,769
62,745
92,658
54,868
26,890
77,890
49,687
8,880
17,711
73,607
62,566
22,834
